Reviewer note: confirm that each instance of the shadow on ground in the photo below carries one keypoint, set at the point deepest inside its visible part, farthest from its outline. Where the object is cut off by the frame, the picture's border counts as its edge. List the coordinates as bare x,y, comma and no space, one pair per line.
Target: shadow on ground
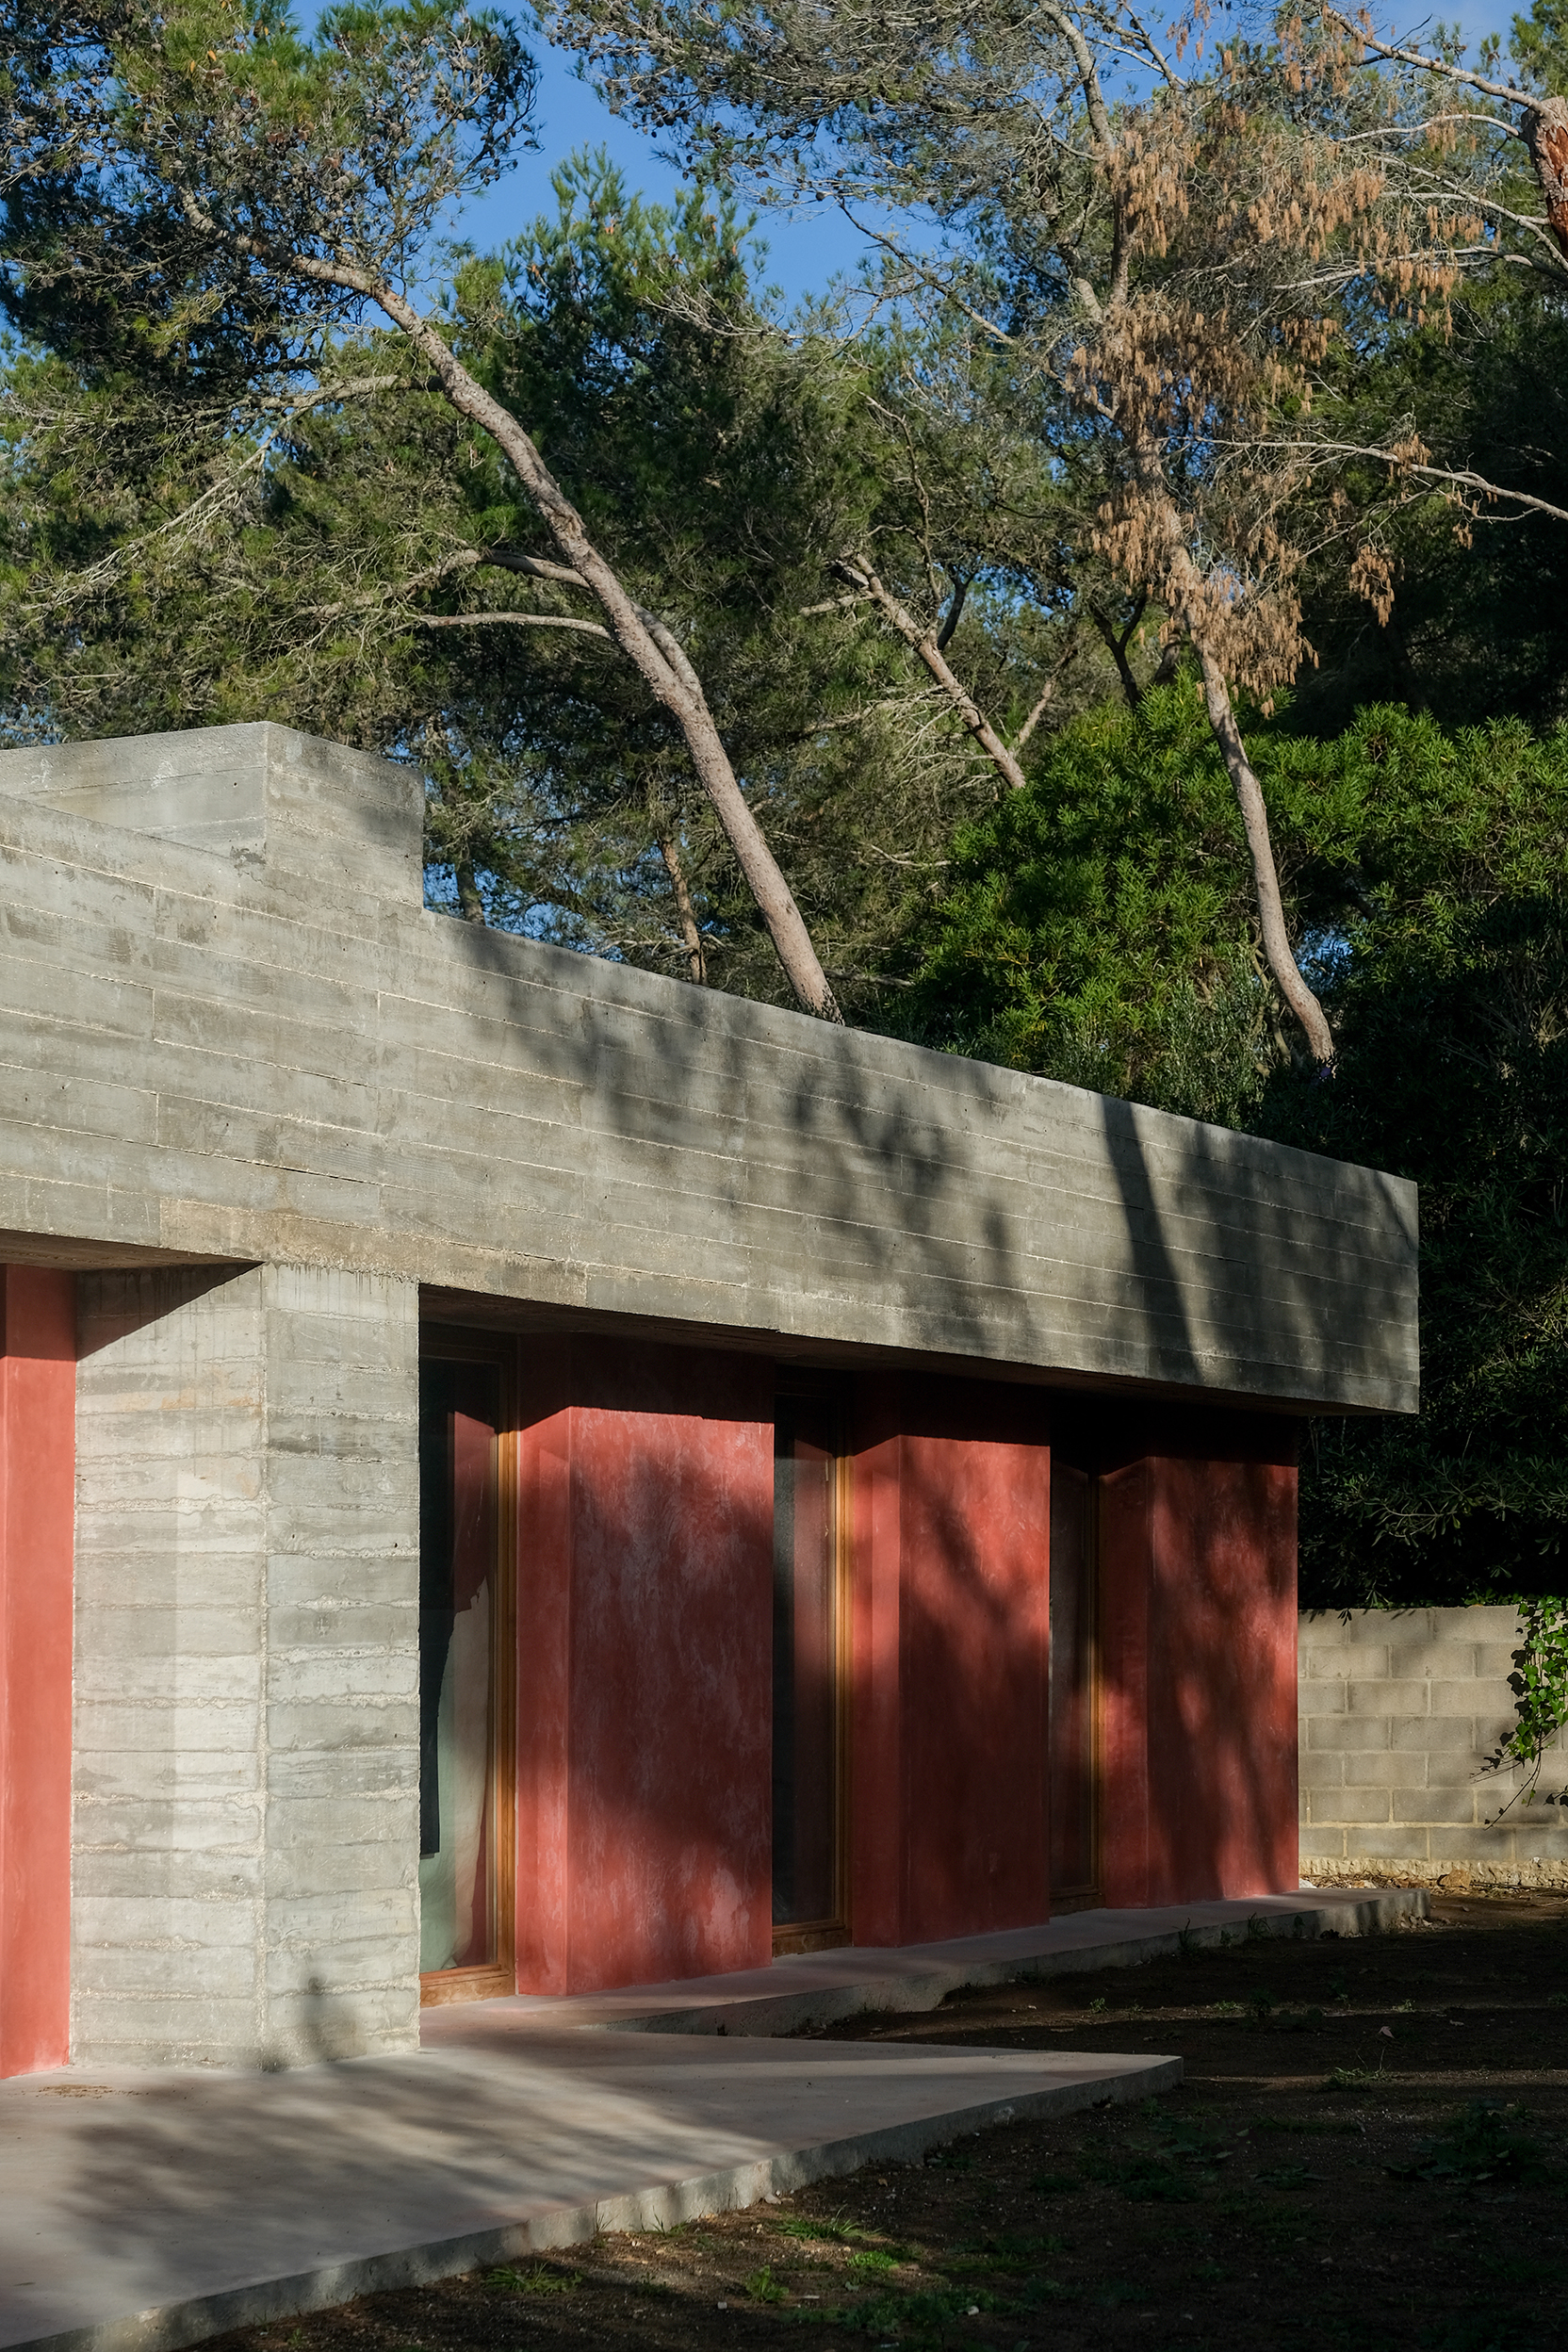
1369,2151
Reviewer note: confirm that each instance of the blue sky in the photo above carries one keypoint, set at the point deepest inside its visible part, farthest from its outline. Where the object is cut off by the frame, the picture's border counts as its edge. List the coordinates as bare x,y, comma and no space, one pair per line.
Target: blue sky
803,253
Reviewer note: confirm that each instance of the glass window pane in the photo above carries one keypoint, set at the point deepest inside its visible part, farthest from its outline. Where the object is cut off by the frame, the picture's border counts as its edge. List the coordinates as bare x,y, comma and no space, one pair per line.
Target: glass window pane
804,1667
459,1420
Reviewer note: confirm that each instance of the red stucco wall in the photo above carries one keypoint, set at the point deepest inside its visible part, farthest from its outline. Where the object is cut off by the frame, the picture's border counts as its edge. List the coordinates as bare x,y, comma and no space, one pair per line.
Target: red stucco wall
952,1488
1197,1584
38,1446
644,1639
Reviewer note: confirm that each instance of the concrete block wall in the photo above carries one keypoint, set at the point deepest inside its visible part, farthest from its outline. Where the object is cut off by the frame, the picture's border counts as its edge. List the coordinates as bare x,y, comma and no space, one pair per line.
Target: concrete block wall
1400,1710
246,1812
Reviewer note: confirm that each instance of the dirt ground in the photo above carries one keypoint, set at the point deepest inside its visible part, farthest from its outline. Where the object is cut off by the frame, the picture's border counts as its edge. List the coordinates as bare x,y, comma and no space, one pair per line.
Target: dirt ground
1371,2148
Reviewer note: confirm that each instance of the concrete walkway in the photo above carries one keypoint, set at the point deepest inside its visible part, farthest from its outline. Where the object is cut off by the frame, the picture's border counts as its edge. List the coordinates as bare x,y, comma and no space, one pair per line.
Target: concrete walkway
817,1988
143,2210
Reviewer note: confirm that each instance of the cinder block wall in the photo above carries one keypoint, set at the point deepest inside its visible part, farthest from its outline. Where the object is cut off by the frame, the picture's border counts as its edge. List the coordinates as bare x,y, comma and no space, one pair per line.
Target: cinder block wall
1400,1710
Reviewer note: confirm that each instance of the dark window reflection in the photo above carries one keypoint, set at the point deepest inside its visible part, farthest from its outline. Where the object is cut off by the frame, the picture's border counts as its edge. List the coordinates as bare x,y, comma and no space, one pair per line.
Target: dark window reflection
1072,1790
805,1666
459,1420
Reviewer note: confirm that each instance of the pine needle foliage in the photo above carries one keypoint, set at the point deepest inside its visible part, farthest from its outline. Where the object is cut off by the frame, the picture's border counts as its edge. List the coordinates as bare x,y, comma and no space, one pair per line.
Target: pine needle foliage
1097,929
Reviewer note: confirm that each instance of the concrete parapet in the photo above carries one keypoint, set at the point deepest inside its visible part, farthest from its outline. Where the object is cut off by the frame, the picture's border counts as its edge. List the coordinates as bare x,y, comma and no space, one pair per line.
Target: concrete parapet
256,1045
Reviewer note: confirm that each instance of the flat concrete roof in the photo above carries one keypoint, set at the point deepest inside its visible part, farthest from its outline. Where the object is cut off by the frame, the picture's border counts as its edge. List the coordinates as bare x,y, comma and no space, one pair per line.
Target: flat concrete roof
234,1031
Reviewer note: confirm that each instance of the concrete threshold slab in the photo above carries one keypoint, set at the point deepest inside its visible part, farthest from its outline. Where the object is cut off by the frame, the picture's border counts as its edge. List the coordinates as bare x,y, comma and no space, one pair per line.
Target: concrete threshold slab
143,2212
817,1988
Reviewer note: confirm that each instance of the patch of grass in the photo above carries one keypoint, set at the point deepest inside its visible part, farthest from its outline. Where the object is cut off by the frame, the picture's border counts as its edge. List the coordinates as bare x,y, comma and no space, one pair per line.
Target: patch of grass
1290,2177
1352,2079
1056,2184
876,2258
833,2227
535,2279
763,2287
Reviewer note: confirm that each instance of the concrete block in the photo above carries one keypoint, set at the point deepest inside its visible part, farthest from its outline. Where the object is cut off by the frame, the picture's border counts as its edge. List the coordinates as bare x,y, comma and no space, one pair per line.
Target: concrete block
1460,1768
1382,1768
1453,1734
1354,1807
1322,1734
1320,1771
1374,1697
1416,1661
1479,1843
1434,1806
1396,1842
1464,1697
1327,1696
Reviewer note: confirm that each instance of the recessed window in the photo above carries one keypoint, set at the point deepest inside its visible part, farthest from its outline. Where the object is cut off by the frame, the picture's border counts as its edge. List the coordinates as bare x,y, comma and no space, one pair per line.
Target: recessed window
809,1904
465,1790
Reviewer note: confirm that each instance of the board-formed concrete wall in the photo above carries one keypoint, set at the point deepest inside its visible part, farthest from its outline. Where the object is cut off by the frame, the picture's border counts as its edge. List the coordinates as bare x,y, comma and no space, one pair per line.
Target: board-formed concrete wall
1400,1710
232,1030
246,1781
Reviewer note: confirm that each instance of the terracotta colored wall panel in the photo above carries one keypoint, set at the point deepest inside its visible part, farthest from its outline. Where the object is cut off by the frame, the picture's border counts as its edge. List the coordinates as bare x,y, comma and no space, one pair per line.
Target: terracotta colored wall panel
38,1418
952,1492
1199,1601
646,1637
543,1620
976,1520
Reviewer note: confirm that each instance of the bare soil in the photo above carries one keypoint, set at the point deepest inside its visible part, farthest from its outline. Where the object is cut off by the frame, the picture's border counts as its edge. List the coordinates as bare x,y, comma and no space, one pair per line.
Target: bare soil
1371,2148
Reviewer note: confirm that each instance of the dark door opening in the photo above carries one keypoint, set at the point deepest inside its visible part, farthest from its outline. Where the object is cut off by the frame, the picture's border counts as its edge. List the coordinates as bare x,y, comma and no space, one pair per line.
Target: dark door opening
809,1897
464,1673
1073,1692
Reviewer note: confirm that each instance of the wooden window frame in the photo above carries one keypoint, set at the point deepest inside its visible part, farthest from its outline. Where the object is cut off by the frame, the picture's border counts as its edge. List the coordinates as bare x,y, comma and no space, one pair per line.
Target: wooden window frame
447,1344
831,1934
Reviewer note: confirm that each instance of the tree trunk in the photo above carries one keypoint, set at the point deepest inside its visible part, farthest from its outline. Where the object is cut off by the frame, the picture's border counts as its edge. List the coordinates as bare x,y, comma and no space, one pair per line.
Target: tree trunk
1544,129
655,652
691,932
1265,881
925,641
470,904
1117,648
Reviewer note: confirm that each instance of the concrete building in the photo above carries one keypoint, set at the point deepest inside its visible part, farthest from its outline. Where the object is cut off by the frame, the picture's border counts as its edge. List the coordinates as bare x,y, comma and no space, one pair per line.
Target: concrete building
520,1474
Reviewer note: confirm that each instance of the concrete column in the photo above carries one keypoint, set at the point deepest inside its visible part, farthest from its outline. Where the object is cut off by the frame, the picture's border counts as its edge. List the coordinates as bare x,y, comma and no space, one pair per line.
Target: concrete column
246,1819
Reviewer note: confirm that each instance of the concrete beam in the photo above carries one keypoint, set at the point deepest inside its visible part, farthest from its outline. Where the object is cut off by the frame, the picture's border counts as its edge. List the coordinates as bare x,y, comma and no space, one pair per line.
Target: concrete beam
233,1032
